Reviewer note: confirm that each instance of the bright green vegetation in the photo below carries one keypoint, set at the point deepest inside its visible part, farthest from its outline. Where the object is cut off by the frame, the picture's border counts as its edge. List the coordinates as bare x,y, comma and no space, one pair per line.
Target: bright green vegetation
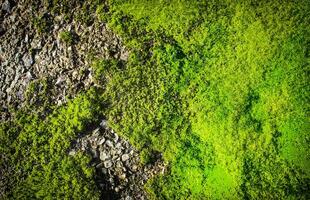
36,149
220,88
66,36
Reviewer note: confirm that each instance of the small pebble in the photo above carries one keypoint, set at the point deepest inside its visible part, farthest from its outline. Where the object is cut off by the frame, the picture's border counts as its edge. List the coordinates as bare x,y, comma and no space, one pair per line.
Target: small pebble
109,143
101,141
104,156
103,123
107,164
125,157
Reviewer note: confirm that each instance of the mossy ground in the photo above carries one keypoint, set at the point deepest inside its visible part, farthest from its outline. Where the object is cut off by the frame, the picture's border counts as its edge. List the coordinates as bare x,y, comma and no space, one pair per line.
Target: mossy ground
36,150
220,88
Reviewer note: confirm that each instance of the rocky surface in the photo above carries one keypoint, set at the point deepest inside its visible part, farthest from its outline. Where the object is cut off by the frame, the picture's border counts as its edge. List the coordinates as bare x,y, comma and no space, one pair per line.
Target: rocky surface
34,62
119,171
26,55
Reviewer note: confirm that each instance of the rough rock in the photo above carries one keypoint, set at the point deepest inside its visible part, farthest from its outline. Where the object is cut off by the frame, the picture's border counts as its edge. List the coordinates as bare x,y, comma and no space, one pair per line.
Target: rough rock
104,156
6,6
64,67
107,164
125,157
103,123
119,167
28,60
101,141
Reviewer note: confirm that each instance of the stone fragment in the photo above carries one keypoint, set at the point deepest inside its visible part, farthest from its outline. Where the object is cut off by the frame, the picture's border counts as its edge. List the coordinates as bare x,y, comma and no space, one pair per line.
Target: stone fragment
84,144
28,76
96,131
134,168
75,75
36,44
6,6
28,60
104,156
109,143
128,198
122,176
124,55
101,141
125,157
17,57
115,138
107,164
26,38
118,146
113,152
119,164
72,152
103,123
60,80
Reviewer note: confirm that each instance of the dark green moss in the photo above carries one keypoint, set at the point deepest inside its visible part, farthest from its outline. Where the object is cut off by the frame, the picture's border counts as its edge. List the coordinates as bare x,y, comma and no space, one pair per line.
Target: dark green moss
37,152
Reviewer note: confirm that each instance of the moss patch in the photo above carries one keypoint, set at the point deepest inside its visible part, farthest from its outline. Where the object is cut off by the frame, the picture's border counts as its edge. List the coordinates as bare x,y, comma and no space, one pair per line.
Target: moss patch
221,90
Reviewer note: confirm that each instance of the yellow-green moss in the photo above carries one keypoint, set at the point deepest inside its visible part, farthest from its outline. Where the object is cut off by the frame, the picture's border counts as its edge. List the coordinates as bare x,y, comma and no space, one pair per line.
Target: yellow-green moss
221,89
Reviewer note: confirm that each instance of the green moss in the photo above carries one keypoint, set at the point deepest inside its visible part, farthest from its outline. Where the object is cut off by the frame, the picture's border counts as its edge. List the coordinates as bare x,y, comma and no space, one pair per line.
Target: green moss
102,13
67,37
37,151
103,69
221,90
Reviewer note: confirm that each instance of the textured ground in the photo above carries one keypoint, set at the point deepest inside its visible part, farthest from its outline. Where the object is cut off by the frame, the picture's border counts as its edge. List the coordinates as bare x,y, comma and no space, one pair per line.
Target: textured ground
212,96
35,61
